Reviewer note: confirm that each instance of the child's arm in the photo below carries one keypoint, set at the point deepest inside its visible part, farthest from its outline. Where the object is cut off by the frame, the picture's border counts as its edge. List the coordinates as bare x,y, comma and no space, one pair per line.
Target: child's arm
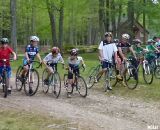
14,55
39,57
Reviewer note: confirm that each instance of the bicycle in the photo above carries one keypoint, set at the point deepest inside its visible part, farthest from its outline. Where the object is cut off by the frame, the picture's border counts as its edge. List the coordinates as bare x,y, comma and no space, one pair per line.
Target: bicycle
54,80
91,79
4,77
157,68
79,83
30,81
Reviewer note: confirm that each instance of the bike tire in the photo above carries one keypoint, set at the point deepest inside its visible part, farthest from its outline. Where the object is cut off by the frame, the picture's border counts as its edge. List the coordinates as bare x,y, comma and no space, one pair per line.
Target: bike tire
5,87
44,86
148,79
157,72
56,84
81,84
132,81
18,83
28,85
91,77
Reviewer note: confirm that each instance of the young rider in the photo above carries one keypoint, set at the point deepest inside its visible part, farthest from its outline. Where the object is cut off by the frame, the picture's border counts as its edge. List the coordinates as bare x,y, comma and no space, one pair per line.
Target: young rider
74,63
124,47
5,52
107,50
31,51
52,60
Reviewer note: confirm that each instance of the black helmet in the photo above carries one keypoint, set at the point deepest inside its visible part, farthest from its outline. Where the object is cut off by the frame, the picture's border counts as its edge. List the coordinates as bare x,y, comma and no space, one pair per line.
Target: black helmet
4,40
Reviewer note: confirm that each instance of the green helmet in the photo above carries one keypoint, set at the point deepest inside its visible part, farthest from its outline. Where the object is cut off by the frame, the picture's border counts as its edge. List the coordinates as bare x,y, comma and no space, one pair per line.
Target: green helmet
4,40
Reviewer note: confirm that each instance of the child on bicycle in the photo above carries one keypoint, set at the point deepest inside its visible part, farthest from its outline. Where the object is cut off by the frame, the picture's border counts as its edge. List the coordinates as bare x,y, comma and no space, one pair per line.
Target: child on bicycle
124,48
5,52
151,55
74,62
107,50
52,60
31,51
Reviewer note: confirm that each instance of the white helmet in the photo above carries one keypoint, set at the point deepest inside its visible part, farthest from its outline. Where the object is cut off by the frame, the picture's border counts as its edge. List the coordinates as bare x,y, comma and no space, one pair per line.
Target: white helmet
34,38
125,36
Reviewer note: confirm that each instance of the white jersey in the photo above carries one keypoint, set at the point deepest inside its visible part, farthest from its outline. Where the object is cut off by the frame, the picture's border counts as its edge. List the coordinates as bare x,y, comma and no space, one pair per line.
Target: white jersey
108,50
52,59
76,61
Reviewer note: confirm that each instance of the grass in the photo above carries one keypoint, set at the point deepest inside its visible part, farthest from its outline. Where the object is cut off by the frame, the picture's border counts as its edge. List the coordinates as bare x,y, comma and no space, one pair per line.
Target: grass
21,120
143,91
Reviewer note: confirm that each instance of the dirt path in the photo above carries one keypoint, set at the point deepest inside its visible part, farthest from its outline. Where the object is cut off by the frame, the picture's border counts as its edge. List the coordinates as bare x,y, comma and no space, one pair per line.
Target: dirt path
96,112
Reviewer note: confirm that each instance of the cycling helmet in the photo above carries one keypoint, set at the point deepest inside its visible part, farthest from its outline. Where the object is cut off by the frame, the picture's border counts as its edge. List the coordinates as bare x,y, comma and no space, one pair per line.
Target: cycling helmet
126,36
4,40
55,50
74,52
151,41
136,41
108,34
34,38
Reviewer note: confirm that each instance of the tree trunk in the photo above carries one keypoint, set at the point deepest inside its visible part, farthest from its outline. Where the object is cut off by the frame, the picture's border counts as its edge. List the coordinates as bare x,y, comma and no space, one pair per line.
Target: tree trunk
61,24
113,18
33,17
131,17
52,21
13,24
101,18
107,19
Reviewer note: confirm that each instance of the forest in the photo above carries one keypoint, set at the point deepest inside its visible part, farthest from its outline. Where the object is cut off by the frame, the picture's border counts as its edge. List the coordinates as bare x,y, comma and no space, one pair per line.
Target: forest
73,22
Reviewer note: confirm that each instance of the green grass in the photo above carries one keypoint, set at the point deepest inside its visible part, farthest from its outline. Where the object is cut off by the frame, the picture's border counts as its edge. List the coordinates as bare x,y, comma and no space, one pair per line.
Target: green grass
21,120
143,91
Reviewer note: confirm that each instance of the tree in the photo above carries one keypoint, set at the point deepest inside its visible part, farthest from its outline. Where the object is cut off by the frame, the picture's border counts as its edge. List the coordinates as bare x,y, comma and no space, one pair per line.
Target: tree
51,11
13,24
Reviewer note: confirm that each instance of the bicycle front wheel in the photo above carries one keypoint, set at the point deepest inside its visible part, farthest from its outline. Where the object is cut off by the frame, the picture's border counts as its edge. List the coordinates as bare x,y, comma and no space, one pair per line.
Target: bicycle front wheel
5,87
32,84
81,86
91,78
56,84
45,86
147,74
132,81
157,72
18,80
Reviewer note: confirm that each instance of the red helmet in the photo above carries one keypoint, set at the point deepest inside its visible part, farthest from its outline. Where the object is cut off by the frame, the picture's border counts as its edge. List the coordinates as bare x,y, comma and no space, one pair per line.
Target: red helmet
74,52
55,50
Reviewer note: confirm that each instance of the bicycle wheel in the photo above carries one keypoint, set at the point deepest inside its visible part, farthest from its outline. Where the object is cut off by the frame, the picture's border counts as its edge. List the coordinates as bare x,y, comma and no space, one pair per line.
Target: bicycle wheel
157,72
147,74
18,79
91,77
5,87
56,84
69,88
45,86
31,87
81,86
132,80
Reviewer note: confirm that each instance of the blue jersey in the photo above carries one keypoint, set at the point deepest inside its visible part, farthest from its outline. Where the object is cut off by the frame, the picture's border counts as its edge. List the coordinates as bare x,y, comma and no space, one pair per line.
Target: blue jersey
31,51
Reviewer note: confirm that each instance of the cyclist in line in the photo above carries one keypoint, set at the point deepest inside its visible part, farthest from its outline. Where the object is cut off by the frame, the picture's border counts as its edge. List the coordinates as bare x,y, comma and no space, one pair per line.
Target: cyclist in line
157,45
5,52
107,50
74,63
124,47
53,58
31,51
151,55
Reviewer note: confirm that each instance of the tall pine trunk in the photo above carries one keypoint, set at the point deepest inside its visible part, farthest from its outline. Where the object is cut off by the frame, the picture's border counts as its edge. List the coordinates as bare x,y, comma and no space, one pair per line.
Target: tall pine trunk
13,24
